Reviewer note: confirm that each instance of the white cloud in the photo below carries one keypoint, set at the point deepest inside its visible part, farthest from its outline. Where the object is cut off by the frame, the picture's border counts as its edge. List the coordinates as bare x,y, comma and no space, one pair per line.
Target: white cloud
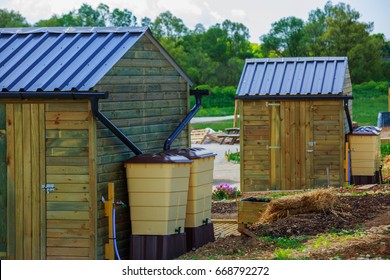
180,7
238,14
214,14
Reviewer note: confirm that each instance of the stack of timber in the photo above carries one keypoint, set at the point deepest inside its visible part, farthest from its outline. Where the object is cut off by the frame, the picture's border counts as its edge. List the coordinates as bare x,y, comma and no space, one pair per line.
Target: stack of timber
198,136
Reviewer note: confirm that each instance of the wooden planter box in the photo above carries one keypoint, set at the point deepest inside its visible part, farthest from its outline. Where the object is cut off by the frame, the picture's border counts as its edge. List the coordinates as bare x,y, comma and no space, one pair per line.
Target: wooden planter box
250,209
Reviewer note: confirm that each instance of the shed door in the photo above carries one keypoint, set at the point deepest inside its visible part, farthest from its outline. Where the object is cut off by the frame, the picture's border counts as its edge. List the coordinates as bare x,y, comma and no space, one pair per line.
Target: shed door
291,145
25,136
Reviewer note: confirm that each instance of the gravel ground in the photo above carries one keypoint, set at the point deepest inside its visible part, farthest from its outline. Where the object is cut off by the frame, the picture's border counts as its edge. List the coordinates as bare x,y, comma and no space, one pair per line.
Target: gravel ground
224,172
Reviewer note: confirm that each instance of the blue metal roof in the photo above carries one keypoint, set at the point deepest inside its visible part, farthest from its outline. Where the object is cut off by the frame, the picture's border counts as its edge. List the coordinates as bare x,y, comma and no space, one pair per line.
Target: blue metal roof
293,76
64,59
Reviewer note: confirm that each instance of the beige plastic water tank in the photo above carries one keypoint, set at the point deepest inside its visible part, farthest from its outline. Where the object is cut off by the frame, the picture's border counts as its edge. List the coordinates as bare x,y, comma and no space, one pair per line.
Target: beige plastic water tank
158,191
200,185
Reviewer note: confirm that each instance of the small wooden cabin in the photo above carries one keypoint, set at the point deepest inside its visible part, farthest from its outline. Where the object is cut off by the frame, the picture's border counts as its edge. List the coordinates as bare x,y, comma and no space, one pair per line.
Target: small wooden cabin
56,157
294,115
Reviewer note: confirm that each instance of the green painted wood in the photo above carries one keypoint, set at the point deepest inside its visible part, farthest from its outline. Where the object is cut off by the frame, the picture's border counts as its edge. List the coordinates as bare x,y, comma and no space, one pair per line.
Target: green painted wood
3,181
147,100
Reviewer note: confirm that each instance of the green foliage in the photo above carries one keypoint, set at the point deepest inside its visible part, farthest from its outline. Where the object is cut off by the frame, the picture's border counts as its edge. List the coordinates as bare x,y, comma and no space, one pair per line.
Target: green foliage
335,30
122,18
219,97
12,19
217,126
225,191
166,25
215,112
233,157
216,56
285,37
290,242
385,149
282,254
373,93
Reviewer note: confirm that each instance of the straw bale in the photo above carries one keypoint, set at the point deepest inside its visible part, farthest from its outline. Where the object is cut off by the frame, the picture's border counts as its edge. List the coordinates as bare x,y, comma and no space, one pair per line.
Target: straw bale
322,200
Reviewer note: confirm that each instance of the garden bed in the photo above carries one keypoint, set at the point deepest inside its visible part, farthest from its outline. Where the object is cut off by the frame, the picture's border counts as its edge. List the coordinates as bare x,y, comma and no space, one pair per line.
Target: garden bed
359,228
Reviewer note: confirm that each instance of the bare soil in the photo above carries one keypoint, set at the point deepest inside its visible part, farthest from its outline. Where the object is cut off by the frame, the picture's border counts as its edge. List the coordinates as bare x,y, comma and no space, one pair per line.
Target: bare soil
357,229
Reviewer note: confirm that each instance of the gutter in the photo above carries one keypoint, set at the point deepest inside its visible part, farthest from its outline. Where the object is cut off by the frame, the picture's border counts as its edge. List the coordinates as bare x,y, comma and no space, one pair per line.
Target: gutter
293,97
92,96
51,95
198,101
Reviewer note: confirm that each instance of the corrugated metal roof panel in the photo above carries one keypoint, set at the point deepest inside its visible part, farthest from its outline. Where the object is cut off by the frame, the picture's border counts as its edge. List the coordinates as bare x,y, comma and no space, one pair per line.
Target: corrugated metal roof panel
367,130
65,59
293,76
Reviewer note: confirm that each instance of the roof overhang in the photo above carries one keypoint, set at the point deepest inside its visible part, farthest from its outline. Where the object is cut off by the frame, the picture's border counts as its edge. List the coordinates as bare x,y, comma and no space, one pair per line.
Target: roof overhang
52,95
294,97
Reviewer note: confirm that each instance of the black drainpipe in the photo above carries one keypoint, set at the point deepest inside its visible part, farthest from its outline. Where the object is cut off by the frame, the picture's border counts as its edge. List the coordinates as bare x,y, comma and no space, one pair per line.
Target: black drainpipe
346,109
114,129
198,100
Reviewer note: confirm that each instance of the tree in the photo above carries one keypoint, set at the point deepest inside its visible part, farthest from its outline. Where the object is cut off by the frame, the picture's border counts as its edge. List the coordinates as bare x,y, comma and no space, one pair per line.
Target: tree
91,17
12,19
66,20
314,31
122,18
344,30
237,38
167,25
337,31
146,22
364,62
214,43
285,38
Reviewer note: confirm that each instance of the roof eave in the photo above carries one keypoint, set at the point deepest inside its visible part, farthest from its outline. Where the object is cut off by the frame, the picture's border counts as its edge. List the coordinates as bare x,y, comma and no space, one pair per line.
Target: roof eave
52,95
294,97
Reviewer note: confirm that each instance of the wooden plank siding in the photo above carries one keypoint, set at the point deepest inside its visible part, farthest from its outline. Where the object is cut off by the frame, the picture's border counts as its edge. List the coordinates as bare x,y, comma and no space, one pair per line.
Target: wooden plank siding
3,183
255,160
311,139
24,158
147,100
70,209
328,130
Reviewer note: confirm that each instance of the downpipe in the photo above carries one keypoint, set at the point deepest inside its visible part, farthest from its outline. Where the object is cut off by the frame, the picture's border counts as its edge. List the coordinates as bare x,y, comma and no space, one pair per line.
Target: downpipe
198,102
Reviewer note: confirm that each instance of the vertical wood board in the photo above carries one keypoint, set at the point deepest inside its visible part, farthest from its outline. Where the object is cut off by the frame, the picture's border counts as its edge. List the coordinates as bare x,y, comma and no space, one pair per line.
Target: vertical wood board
3,180
24,181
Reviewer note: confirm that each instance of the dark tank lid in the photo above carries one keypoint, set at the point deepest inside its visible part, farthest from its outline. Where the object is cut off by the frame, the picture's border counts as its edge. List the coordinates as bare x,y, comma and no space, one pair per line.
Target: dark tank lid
193,153
158,158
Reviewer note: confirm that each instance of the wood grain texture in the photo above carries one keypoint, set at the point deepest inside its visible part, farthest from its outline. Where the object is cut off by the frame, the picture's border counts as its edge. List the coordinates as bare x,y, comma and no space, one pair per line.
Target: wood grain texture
311,140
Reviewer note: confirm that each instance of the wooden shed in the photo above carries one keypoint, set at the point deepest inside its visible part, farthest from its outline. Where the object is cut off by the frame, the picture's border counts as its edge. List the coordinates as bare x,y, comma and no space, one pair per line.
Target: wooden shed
75,103
294,115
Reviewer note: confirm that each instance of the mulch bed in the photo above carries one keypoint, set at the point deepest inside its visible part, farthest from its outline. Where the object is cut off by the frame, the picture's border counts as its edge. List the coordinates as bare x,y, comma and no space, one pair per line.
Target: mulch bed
354,211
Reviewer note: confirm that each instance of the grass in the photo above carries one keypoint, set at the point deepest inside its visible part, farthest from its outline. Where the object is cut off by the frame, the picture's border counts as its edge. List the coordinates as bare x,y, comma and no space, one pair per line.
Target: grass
369,99
215,112
216,126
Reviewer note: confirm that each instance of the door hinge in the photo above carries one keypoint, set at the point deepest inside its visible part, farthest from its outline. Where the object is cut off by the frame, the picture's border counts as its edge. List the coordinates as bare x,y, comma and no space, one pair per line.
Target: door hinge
49,188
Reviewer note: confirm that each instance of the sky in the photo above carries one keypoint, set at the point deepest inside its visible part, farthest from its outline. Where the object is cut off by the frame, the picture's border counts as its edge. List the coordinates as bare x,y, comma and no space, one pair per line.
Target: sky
257,15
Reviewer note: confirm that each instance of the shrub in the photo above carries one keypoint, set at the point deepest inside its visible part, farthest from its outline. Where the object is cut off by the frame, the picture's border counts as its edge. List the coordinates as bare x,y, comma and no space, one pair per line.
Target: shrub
233,157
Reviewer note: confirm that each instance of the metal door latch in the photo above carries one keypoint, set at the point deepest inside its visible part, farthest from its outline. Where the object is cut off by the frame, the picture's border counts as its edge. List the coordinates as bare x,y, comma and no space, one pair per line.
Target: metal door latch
49,188
272,147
